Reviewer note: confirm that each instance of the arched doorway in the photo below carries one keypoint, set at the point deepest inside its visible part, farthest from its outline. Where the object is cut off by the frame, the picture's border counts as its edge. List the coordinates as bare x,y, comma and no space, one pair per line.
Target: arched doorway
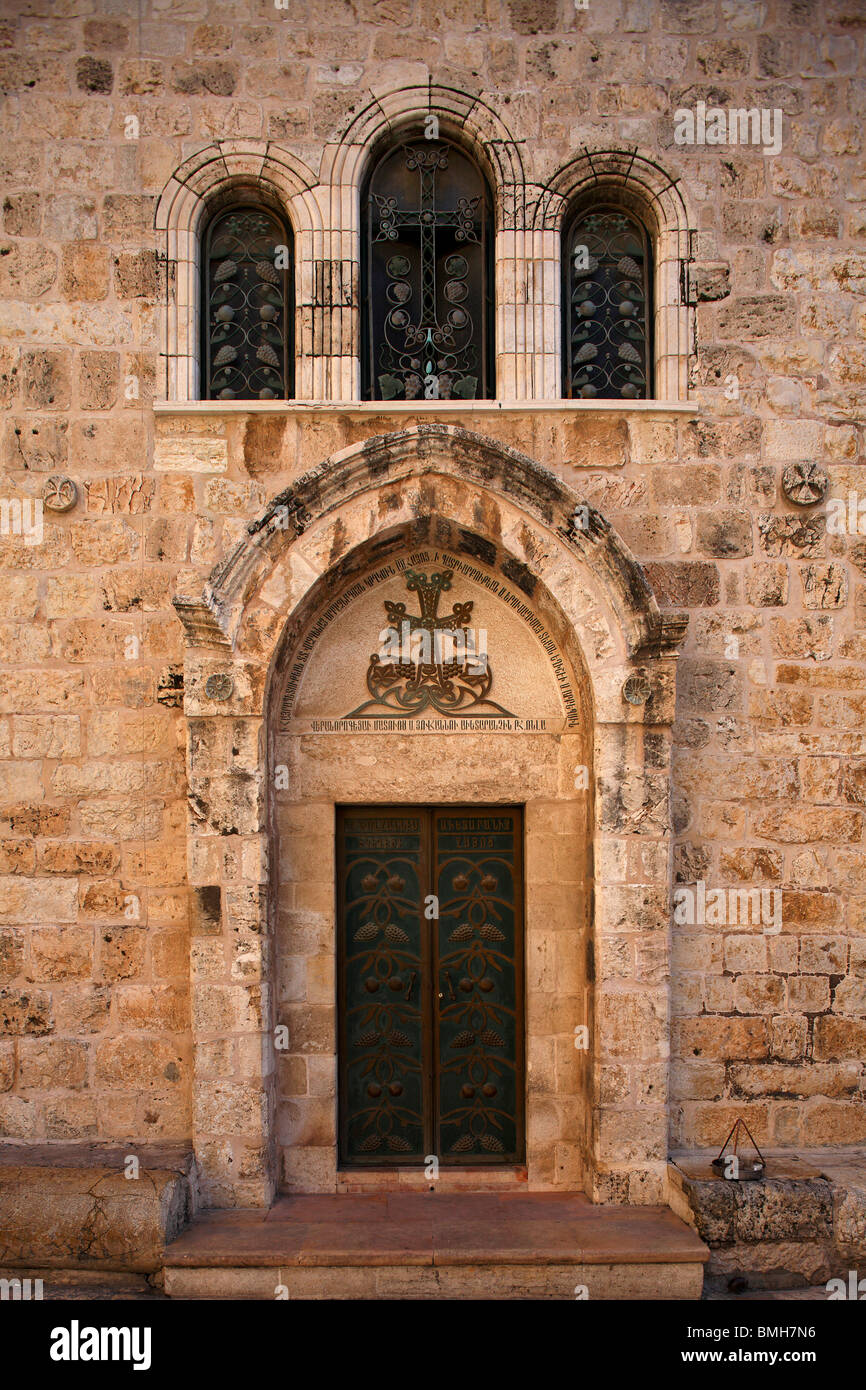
430,757
578,639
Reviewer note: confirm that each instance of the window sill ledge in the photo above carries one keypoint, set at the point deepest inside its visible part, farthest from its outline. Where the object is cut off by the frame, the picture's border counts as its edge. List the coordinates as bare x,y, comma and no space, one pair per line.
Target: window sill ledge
421,407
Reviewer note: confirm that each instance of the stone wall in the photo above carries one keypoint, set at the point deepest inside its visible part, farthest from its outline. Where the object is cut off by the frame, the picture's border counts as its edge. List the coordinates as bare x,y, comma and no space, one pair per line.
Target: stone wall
769,783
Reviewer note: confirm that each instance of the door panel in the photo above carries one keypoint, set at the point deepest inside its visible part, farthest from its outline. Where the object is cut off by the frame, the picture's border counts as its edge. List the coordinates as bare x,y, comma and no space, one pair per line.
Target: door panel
383,1006
479,1044
430,1010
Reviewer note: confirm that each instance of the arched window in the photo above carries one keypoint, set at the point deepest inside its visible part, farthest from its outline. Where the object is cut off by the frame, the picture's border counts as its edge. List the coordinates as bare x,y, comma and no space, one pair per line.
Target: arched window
247,306
427,276
607,334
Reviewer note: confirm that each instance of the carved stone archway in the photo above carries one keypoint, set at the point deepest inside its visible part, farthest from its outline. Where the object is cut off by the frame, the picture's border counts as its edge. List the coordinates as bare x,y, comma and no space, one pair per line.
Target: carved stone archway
542,539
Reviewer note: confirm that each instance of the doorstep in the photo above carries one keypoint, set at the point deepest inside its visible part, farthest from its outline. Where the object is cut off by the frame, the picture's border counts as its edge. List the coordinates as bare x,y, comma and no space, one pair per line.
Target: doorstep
476,1178
435,1245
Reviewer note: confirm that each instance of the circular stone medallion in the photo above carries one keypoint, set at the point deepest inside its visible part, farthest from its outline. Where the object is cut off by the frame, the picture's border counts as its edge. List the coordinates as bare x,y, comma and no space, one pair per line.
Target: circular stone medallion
805,483
59,494
637,690
219,686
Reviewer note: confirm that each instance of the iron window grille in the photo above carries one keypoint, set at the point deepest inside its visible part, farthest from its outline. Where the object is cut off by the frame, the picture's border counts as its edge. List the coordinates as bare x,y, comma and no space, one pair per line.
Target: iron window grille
427,276
607,307
247,308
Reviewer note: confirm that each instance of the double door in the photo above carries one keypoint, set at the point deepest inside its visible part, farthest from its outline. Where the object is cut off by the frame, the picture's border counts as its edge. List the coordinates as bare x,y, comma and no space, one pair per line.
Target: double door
430,992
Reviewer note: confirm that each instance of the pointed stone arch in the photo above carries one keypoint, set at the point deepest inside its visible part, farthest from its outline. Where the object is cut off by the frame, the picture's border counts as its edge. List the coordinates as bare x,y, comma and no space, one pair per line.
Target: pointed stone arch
422,449
537,535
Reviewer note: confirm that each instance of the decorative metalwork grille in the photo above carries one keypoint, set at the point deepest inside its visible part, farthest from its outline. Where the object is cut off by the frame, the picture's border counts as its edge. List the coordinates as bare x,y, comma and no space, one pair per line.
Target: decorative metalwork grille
246,297
430,1009
479,1066
428,311
607,307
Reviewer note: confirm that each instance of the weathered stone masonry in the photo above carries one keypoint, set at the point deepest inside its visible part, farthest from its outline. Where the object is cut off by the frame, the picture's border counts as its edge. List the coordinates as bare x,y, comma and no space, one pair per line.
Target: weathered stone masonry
140,941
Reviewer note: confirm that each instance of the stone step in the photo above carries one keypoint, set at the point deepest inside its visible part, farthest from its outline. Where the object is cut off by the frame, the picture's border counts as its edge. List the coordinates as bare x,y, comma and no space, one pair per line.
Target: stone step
78,1285
803,1223
71,1206
433,1245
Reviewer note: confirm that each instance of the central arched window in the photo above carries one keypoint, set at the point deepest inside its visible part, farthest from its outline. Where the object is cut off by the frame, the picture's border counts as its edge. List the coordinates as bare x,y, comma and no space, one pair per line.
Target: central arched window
606,303
247,306
427,276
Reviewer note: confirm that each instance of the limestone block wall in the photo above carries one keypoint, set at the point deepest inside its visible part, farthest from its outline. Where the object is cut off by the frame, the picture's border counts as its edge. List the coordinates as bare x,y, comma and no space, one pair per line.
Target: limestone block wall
103,103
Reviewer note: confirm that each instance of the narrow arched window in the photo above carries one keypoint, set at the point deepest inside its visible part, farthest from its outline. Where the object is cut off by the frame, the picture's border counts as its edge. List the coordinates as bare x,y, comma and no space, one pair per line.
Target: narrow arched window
607,310
247,306
427,276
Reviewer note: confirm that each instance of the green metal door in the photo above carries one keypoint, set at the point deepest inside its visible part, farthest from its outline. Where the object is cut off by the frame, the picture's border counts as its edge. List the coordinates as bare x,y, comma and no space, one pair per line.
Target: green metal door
430,985
383,868
479,960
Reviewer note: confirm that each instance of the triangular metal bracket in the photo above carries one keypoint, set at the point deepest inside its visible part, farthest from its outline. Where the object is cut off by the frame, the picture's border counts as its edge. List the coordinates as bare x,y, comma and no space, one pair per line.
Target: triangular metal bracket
734,1167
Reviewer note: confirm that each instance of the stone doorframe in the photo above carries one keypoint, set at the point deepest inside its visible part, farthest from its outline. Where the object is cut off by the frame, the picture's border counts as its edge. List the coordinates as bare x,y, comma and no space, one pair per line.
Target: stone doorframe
233,636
